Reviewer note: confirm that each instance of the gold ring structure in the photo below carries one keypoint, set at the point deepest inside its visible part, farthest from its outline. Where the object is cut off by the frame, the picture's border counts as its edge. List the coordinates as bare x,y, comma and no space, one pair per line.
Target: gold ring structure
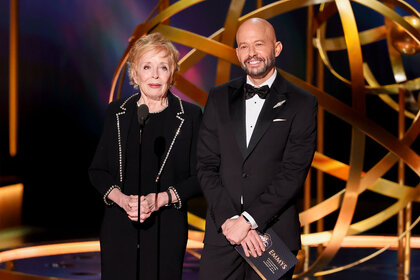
220,45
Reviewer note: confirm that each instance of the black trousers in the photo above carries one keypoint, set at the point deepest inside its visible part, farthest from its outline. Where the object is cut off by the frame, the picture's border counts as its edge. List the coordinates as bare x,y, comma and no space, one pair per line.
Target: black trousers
223,262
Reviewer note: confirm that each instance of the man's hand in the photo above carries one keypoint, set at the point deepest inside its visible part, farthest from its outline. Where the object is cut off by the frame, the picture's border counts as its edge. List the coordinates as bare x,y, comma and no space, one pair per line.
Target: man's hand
253,244
235,230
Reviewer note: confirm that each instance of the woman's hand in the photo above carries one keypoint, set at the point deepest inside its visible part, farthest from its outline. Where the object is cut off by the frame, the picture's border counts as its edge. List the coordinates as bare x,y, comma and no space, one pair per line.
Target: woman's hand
145,209
157,201
148,204
152,203
130,205
120,199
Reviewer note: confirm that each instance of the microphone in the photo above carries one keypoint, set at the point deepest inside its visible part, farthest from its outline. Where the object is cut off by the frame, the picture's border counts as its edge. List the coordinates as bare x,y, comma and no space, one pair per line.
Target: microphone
142,114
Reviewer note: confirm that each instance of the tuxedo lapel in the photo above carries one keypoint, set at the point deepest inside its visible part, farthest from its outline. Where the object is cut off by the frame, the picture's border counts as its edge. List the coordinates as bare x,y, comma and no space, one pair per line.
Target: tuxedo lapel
275,99
237,114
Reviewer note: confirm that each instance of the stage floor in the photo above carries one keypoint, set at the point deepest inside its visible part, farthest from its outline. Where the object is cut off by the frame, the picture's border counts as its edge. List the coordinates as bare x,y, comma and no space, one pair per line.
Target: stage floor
87,266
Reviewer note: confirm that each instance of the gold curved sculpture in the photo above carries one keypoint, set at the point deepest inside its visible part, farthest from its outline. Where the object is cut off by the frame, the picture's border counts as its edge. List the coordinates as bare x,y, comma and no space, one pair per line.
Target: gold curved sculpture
220,45
400,39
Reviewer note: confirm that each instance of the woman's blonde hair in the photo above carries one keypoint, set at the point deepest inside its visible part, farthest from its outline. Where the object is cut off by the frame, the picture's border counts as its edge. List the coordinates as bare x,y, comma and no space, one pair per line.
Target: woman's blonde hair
158,43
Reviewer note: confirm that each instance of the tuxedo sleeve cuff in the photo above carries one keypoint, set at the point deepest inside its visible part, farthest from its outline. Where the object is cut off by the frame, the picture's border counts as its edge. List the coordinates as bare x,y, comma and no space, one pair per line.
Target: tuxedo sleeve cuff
249,219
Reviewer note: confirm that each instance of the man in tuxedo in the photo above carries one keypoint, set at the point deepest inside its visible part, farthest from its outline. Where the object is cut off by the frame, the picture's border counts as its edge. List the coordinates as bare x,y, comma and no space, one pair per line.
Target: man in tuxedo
255,146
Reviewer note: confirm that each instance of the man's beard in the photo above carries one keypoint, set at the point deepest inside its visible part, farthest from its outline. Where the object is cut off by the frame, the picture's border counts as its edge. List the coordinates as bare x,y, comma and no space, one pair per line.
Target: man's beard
255,73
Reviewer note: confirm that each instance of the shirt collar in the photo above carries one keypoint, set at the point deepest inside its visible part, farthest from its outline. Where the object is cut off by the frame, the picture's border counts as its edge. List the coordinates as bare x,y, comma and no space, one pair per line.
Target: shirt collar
269,82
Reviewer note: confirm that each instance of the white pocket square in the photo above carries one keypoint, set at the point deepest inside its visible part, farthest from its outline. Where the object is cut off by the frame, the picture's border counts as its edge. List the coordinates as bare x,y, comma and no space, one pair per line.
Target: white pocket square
279,120
279,104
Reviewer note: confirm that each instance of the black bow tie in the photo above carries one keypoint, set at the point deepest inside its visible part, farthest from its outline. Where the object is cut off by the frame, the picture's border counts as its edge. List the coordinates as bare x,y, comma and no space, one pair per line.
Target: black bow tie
250,91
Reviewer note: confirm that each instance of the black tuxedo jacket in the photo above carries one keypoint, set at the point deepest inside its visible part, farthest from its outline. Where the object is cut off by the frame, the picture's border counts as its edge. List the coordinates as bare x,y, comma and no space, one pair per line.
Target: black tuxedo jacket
270,172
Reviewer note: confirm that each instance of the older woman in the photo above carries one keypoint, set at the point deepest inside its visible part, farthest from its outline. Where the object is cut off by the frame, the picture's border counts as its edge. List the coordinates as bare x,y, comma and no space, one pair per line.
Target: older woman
162,168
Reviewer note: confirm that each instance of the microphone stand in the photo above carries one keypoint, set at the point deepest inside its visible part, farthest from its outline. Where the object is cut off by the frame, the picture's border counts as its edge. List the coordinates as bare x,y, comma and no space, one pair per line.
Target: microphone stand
158,234
138,213
159,149
142,114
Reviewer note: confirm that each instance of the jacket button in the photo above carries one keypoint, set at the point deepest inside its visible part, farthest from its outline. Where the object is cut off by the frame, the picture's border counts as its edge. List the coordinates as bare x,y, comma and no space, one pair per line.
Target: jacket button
244,175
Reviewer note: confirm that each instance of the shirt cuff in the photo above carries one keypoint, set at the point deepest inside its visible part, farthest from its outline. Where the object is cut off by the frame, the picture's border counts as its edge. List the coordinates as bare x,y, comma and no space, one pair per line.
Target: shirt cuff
234,217
249,219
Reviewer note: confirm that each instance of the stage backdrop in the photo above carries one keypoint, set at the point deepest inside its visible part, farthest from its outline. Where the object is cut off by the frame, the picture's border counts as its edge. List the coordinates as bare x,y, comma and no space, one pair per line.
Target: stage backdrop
68,52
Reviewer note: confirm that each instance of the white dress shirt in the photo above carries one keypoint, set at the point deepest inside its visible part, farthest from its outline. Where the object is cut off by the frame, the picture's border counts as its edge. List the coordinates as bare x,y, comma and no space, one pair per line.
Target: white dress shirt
253,108
254,105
